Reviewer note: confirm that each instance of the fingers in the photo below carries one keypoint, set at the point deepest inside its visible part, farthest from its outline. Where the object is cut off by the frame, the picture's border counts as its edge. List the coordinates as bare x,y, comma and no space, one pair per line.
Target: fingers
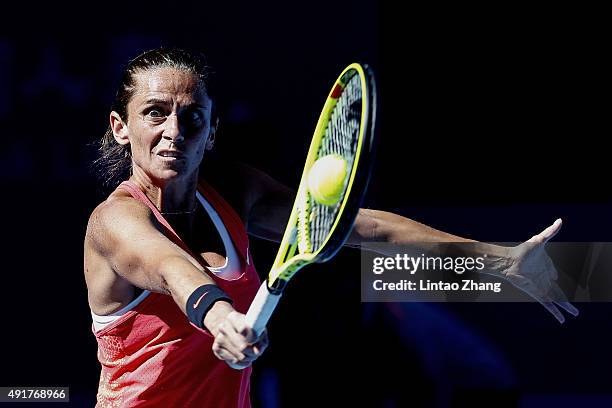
561,300
229,357
569,308
236,342
545,300
551,231
548,233
239,325
233,340
550,306
262,343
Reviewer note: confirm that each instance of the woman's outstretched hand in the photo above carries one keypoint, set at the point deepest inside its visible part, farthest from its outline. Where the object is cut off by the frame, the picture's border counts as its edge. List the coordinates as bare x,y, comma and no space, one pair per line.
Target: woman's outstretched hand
529,268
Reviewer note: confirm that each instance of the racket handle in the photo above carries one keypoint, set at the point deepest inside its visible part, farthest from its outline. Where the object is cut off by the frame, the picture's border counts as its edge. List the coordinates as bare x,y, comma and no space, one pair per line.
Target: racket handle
261,309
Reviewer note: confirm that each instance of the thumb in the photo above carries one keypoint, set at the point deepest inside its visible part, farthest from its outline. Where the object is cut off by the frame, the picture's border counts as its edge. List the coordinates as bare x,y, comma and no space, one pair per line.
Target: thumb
548,233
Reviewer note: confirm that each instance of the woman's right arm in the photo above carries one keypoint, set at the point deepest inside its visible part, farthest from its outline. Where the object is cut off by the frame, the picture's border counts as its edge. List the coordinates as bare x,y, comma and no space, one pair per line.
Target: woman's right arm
127,235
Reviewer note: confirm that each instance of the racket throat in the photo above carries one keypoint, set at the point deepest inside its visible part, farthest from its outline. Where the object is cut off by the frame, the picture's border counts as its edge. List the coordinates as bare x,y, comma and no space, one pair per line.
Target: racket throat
277,287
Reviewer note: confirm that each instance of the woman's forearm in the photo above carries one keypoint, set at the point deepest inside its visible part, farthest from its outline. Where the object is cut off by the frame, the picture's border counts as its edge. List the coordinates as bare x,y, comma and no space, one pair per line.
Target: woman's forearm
382,226
181,277
375,226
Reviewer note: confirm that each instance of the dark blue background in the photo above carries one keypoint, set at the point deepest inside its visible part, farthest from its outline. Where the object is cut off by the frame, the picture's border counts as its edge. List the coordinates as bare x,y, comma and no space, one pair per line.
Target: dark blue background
491,124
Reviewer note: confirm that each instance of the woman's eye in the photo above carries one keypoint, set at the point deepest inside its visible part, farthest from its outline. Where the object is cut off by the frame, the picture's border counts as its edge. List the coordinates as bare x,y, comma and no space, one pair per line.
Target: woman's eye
155,113
194,117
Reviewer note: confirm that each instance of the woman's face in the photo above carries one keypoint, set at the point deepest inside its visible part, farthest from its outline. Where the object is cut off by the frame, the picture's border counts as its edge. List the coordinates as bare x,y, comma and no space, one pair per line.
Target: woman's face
168,125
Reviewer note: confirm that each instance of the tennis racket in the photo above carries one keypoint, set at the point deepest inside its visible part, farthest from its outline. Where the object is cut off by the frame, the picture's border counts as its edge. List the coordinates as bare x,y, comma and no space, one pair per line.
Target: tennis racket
315,232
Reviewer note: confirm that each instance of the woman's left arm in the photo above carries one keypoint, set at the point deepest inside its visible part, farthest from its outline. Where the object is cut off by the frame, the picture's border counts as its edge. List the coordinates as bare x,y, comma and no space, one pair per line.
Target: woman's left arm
527,266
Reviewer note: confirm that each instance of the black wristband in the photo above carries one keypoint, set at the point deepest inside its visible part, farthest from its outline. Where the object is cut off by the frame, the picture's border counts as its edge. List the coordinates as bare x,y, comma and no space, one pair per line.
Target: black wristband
201,300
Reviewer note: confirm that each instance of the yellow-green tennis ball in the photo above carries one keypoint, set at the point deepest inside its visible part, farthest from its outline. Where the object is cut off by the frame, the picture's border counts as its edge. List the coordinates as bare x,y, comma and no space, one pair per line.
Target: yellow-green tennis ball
326,179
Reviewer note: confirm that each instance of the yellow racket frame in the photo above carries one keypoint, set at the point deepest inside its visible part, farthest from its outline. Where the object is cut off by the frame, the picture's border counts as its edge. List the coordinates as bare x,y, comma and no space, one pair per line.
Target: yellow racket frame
287,263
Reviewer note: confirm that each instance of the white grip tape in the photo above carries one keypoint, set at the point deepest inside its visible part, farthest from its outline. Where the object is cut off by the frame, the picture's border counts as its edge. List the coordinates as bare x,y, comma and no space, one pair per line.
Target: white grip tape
261,309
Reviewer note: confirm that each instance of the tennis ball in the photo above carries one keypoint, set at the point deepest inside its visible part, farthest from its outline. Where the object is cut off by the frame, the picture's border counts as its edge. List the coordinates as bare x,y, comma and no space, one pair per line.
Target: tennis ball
326,179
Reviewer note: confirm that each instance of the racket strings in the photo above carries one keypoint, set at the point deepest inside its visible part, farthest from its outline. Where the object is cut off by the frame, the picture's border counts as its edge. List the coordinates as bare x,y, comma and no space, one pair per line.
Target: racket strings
341,138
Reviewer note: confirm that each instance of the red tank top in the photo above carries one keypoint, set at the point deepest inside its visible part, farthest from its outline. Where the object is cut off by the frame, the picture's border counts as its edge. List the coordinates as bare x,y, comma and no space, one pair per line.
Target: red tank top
153,357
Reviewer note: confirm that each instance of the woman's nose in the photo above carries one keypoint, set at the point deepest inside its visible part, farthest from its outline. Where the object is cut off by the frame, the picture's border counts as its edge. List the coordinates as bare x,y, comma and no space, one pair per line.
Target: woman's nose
172,130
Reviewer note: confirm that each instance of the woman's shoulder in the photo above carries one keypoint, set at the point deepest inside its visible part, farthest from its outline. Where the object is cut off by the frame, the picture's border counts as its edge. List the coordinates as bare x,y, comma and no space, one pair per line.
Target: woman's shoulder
117,203
113,213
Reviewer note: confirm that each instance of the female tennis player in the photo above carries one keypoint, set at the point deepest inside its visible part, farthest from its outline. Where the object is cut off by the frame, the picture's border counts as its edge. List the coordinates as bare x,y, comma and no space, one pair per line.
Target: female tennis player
167,261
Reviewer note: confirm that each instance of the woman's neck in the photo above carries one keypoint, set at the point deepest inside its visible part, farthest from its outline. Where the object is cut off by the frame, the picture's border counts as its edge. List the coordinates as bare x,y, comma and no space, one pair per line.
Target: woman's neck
175,198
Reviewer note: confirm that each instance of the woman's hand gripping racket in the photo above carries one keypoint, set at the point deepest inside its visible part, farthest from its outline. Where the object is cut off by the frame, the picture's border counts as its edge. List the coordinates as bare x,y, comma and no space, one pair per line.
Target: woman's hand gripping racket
333,184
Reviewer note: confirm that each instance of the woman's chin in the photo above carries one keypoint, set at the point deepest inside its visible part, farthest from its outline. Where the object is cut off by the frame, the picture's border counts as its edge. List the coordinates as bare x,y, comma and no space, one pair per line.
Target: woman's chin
170,175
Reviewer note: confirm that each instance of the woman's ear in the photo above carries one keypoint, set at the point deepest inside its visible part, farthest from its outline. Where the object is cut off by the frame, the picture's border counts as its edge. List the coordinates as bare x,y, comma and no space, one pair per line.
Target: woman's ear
120,130
211,137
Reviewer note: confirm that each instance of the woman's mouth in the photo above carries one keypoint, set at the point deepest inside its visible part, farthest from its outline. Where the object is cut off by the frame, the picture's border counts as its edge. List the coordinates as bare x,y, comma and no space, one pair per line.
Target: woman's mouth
170,154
